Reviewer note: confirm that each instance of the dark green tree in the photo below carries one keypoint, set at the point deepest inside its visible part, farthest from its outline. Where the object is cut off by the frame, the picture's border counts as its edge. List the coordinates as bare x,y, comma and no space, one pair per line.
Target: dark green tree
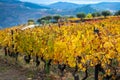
106,13
44,19
31,21
96,14
39,20
117,13
56,17
81,15
48,18
71,16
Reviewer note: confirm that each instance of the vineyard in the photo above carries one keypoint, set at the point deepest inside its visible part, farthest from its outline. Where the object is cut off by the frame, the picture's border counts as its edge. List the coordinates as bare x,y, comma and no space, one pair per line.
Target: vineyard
73,47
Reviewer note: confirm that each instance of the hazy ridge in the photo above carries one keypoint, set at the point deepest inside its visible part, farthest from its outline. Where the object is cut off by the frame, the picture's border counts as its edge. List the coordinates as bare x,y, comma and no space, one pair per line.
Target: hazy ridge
14,12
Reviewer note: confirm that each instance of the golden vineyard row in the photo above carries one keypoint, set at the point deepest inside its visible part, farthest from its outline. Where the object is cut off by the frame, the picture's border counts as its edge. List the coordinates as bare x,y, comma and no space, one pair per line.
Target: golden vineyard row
82,44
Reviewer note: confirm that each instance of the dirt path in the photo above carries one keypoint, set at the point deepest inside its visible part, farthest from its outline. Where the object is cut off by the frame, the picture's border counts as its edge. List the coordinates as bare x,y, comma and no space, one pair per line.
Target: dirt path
10,72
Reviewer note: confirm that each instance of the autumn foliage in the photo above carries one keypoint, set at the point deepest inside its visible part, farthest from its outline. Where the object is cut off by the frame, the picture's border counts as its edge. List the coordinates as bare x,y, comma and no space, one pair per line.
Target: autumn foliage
79,45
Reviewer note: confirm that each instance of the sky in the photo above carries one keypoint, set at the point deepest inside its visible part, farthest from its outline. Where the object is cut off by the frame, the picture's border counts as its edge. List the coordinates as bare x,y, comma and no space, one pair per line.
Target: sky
73,1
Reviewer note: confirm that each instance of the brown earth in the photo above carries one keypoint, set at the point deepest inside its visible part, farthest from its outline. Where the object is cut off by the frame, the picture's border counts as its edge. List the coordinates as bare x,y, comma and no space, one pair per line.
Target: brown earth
9,72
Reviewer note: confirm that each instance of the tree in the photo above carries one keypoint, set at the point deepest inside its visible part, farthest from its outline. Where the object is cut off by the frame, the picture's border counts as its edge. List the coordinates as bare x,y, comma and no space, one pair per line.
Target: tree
89,15
81,15
56,17
31,21
48,17
96,14
39,20
71,17
117,13
106,13
44,19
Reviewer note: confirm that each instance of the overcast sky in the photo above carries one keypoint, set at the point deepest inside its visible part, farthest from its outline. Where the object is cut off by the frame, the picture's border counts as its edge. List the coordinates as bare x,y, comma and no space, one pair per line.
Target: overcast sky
73,1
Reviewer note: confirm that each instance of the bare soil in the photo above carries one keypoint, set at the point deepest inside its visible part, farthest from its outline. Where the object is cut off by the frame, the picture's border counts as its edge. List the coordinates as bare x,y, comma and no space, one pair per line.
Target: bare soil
10,72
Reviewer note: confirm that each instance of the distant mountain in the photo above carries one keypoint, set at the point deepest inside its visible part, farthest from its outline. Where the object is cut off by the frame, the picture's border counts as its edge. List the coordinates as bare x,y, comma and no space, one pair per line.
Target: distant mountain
66,8
8,1
64,5
113,6
14,12
73,11
34,6
86,9
24,4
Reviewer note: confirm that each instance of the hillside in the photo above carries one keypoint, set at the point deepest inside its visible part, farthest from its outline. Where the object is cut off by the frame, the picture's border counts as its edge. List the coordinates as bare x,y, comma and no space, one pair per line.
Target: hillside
86,9
112,6
62,52
64,5
15,12
99,6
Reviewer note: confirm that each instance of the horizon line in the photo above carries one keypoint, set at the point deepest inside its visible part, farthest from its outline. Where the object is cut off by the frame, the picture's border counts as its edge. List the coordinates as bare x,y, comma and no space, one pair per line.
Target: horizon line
71,2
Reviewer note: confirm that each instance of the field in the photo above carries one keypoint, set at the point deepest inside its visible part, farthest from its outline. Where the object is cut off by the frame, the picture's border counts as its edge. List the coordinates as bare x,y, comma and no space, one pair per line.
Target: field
66,51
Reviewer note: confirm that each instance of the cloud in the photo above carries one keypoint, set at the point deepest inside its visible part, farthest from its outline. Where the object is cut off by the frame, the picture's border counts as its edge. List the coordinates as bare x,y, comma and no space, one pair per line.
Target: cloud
73,1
